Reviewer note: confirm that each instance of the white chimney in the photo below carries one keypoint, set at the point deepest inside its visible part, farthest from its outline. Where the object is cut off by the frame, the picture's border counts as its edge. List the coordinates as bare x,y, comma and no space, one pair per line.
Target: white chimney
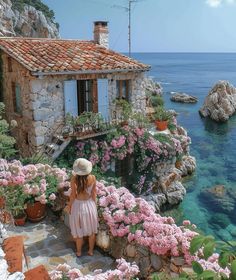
101,33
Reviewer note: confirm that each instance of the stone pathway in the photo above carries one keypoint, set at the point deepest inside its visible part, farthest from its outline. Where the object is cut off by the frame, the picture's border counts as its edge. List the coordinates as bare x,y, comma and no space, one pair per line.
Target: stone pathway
50,243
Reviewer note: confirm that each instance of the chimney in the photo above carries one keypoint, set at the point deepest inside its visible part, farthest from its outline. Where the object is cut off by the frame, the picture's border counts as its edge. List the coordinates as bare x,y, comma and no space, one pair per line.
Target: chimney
101,33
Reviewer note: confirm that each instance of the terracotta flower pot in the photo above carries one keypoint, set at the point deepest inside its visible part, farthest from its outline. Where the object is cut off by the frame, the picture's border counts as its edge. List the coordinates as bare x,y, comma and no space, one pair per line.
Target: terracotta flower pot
161,125
36,212
20,221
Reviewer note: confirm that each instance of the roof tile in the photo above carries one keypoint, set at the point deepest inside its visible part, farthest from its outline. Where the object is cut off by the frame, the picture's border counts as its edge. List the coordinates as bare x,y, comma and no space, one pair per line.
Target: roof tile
54,55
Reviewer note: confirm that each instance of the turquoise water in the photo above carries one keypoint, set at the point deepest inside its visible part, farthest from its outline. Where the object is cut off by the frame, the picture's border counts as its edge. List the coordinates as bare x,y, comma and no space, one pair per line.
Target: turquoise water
213,145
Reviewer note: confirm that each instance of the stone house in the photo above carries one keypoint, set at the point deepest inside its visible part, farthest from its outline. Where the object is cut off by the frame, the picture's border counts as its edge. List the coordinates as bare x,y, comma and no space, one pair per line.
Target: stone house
44,79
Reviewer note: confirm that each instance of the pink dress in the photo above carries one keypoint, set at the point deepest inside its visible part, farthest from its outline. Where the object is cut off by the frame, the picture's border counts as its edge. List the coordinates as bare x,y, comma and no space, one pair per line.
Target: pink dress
83,218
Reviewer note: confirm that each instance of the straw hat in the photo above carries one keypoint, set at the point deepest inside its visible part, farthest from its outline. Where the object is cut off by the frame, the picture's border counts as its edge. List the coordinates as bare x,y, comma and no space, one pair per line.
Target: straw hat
82,167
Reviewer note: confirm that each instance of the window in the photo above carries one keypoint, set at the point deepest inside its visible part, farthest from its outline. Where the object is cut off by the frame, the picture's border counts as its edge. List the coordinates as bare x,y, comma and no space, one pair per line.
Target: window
16,96
85,95
123,89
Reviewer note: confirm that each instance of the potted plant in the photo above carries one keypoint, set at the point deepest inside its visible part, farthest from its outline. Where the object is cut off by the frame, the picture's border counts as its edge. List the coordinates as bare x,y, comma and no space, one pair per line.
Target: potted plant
141,120
39,192
161,118
15,203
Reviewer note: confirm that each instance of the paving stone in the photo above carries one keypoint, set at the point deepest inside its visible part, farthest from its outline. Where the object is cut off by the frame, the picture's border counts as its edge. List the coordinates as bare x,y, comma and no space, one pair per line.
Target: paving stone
50,243
96,265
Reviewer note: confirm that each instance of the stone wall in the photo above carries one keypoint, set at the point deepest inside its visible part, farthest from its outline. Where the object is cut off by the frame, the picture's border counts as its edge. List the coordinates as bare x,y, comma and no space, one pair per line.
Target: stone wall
120,247
137,98
43,102
21,75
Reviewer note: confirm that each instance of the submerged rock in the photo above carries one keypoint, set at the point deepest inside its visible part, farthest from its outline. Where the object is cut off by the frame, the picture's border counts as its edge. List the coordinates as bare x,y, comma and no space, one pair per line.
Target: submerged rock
219,197
220,220
220,103
183,97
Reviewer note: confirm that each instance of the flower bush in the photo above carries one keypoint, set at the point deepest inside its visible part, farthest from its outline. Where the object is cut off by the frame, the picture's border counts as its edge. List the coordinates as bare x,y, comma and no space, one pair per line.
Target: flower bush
124,271
134,218
147,151
39,182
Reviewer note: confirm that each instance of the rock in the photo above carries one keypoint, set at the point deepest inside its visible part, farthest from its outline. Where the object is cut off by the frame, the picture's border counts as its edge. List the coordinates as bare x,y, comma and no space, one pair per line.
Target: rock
220,103
103,240
151,86
220,219
156,262
117,247
25,22
183,98
174,268
130,251
144,266
224,235
179,261
176,193
232,230
219,197
142,250
187,166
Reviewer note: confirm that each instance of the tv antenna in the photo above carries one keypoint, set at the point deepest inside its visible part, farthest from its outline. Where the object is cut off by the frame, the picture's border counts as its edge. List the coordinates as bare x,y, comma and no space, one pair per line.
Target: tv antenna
128,9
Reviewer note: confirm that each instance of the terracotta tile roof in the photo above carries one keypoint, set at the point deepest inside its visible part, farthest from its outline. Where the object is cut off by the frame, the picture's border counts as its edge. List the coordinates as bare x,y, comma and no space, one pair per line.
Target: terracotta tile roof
56,55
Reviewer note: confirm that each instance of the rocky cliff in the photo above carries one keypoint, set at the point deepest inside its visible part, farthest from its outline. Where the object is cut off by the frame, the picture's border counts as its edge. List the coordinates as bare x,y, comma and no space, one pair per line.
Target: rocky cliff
17,18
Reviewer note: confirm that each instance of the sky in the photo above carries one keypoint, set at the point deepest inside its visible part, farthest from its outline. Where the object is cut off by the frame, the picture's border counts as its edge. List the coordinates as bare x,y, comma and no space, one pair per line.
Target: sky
156,25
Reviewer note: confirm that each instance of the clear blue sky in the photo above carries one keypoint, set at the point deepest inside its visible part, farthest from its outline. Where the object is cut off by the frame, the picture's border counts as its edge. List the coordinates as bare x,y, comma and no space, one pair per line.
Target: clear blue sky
157,25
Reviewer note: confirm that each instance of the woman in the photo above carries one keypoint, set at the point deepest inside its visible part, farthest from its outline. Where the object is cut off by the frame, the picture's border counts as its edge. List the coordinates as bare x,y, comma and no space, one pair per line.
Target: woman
82,208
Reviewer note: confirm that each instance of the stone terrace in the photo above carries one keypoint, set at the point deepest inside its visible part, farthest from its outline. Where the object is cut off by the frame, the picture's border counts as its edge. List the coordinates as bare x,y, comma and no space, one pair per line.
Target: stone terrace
50,243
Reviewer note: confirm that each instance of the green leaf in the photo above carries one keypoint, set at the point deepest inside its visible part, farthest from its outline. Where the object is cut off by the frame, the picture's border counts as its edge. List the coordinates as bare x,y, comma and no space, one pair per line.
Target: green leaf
196,243
209,238
155,277
208,249
207,274
224,259
233,270
223,276
197,268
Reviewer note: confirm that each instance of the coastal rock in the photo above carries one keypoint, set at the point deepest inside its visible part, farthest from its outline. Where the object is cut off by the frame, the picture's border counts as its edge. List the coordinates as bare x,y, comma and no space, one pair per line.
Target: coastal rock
25,21
220,103
176,193
187,165
152,86
183,98
221,198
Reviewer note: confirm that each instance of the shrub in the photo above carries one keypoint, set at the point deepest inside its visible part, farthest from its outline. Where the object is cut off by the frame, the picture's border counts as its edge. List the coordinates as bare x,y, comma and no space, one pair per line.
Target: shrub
6,141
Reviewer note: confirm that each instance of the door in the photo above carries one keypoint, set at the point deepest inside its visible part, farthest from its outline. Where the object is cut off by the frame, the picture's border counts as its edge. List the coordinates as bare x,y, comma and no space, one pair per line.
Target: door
71,100
103,103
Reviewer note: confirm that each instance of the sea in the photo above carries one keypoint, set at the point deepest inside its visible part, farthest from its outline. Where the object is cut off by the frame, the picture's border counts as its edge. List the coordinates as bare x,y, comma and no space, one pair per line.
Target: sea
213,144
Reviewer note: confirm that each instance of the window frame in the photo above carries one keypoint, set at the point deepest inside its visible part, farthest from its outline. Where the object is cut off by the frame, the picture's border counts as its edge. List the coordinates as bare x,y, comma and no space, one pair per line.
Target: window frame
119,89
17,102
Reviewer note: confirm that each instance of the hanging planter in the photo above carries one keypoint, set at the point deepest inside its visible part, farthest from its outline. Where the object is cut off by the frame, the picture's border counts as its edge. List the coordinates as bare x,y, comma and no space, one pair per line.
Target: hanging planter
36,212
